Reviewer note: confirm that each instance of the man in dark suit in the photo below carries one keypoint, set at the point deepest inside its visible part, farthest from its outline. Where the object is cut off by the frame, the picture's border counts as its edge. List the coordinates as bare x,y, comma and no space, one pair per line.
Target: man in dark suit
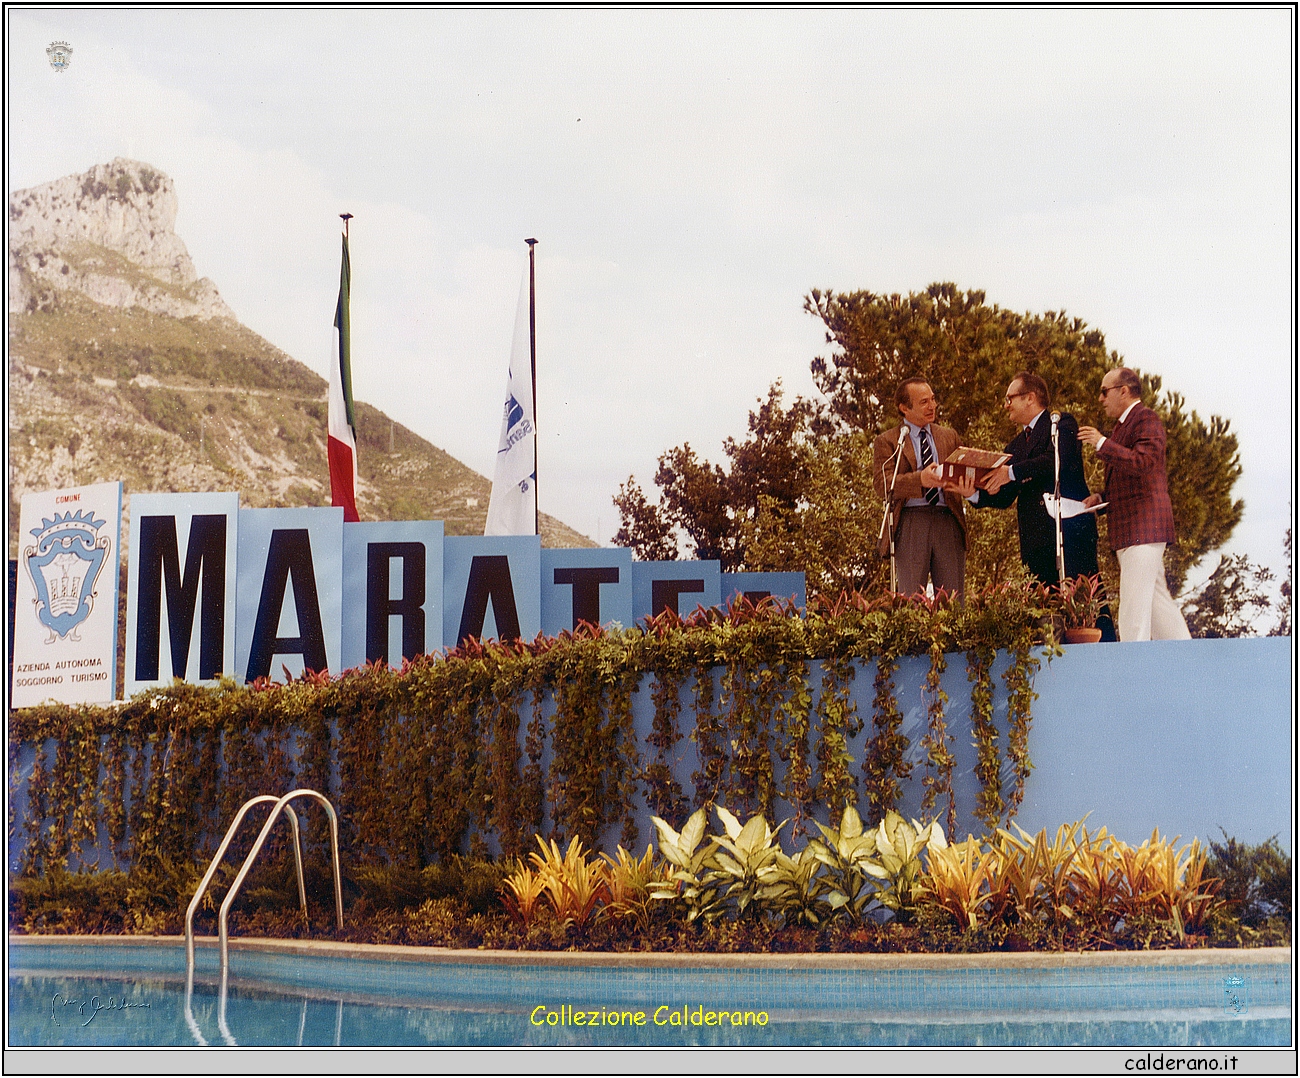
1140,517
1030,474
927,520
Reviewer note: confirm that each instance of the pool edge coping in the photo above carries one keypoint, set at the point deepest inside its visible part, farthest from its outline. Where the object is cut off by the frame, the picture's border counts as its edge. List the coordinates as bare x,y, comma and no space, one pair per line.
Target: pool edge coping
1226,956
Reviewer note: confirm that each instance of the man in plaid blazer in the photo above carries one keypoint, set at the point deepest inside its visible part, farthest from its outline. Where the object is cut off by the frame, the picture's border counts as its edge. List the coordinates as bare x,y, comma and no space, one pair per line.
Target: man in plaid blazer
1141,520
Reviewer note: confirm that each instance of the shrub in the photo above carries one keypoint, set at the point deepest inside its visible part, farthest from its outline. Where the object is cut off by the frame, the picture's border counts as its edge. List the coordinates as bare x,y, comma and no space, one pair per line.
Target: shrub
1256,879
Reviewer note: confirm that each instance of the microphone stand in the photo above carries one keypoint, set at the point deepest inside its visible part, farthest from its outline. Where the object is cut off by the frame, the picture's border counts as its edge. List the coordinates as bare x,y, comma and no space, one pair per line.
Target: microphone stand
887,515
1056,465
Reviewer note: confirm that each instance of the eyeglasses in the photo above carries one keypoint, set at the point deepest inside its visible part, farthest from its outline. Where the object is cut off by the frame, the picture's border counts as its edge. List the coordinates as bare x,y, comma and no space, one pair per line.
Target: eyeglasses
1109,389
1013,396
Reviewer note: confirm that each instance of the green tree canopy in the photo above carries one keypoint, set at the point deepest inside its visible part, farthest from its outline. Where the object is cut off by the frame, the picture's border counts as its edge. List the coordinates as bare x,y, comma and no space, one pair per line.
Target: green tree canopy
791,495
709,505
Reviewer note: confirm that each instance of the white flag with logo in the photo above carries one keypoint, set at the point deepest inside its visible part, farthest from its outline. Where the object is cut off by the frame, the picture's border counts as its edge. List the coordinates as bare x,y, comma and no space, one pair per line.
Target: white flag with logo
513,508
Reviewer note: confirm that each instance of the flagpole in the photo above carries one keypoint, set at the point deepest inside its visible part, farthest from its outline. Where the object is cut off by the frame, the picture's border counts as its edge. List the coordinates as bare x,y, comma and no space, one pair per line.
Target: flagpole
532,351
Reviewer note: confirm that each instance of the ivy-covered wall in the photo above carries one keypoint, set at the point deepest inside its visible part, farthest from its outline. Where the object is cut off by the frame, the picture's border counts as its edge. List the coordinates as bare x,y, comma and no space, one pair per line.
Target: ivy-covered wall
923,707
491,744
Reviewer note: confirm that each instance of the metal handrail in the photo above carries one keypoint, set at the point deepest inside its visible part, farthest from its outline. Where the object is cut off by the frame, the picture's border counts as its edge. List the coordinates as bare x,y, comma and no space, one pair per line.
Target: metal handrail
216,861
282,803
223,935
207,879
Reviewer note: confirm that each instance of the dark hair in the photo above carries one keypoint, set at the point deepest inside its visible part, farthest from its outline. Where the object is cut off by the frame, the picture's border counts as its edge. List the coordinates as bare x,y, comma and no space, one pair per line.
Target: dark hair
1126,377
1031,383
904,394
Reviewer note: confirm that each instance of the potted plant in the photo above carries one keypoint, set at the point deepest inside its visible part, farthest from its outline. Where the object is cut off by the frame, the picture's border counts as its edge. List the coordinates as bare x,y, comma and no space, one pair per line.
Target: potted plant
1081,601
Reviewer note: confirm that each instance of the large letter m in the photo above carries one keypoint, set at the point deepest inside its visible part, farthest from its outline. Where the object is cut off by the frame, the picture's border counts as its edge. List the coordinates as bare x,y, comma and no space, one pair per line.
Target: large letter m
159,568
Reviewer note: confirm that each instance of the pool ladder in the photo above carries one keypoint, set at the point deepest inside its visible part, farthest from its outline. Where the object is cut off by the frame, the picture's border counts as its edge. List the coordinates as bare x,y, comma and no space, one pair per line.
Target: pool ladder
282,804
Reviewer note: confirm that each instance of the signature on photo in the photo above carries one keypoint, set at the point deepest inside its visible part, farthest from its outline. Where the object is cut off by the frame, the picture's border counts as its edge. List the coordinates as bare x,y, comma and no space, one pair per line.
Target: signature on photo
87,1008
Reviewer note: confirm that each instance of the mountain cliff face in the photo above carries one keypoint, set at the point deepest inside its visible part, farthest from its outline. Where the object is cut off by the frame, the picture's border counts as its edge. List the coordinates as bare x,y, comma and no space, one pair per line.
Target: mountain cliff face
107,234
124,364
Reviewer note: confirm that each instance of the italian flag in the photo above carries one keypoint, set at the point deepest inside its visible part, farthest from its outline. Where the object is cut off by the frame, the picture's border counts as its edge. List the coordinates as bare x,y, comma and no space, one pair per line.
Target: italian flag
342,423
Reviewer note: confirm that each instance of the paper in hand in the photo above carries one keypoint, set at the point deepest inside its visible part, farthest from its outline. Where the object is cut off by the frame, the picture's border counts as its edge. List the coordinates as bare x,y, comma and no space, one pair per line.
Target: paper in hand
1069,507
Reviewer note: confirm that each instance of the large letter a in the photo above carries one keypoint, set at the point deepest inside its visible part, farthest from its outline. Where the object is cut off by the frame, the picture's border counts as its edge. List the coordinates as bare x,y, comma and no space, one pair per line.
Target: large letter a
489,578
289,555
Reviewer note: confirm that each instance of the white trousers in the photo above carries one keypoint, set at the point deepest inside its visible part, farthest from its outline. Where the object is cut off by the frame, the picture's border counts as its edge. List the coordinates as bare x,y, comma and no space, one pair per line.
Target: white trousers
1146,609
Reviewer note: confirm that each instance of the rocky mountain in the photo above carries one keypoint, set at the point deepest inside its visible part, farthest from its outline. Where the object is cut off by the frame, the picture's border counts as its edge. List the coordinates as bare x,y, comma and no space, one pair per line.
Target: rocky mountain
125,364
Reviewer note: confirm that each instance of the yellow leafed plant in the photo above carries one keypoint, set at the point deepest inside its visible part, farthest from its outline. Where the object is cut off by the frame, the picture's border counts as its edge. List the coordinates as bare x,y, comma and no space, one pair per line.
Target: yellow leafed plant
521,891
1156,879
958,879
1035,876
574,885
1097,872
630,880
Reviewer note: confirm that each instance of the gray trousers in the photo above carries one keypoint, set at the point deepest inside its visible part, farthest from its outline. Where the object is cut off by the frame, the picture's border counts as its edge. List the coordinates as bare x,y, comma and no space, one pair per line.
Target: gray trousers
930,547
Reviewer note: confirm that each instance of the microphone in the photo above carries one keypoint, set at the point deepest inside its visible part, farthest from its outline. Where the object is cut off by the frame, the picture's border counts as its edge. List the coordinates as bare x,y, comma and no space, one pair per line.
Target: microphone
1056,418
898,448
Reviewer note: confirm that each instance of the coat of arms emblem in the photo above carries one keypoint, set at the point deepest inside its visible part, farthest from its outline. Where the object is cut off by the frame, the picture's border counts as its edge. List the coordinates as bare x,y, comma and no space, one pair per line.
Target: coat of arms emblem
60,54
64,565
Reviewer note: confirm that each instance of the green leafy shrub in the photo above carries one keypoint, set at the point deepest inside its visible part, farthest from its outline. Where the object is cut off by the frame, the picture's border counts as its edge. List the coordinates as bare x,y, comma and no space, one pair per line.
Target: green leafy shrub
164,407
697,880
848,853
1256,879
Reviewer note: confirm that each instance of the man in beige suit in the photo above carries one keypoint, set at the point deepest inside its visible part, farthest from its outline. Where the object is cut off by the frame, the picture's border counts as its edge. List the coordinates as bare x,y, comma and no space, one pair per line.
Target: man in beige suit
928,520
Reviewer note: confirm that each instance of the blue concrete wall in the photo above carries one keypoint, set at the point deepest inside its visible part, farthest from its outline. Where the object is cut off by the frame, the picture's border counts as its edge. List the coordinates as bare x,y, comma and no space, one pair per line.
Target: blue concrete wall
1185,736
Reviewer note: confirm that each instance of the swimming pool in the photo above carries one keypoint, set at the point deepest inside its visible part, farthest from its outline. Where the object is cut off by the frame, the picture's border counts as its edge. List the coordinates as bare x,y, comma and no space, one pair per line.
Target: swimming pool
131,992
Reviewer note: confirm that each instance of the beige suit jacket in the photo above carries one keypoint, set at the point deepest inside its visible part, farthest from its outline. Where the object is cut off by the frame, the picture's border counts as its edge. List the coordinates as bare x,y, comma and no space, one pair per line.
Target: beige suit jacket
908,484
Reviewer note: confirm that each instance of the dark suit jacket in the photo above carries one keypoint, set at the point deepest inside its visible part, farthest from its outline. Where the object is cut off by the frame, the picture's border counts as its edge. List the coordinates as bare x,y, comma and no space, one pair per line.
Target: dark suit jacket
1033,463
909,482
1137,486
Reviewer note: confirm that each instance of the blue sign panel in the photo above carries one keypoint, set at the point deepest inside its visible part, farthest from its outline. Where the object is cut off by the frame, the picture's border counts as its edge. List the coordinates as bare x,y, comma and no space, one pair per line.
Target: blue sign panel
180,598
755,586
586,585
289,612
392,591
674,585
490,587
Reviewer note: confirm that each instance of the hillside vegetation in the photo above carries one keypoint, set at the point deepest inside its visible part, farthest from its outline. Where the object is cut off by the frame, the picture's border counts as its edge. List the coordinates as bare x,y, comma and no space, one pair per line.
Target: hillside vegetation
174,404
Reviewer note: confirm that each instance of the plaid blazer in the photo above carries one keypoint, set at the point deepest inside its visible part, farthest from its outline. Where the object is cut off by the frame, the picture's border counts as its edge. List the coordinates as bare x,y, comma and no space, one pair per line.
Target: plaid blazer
909,482
1137,487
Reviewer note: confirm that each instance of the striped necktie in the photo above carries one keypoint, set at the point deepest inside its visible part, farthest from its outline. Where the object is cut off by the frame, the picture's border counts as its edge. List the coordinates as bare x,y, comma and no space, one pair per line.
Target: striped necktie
932,495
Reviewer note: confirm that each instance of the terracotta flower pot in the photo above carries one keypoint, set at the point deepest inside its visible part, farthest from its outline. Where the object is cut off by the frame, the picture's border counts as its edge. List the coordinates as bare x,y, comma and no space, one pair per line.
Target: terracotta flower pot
1082,636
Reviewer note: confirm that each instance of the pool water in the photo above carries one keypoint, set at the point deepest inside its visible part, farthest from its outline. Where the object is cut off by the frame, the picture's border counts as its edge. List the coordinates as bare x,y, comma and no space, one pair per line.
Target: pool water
78,995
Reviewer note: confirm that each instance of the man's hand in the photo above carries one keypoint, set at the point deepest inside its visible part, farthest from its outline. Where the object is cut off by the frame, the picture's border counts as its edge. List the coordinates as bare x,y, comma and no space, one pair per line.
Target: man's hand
1091,435
996,479
931,476
1091,500
963,487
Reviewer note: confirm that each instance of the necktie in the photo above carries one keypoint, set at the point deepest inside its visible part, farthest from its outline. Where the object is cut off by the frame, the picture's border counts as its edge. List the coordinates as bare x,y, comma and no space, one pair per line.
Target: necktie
932,495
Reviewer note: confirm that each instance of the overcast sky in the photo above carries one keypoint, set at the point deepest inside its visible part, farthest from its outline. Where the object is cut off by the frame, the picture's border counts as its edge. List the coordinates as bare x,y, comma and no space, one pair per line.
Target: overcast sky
691,175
